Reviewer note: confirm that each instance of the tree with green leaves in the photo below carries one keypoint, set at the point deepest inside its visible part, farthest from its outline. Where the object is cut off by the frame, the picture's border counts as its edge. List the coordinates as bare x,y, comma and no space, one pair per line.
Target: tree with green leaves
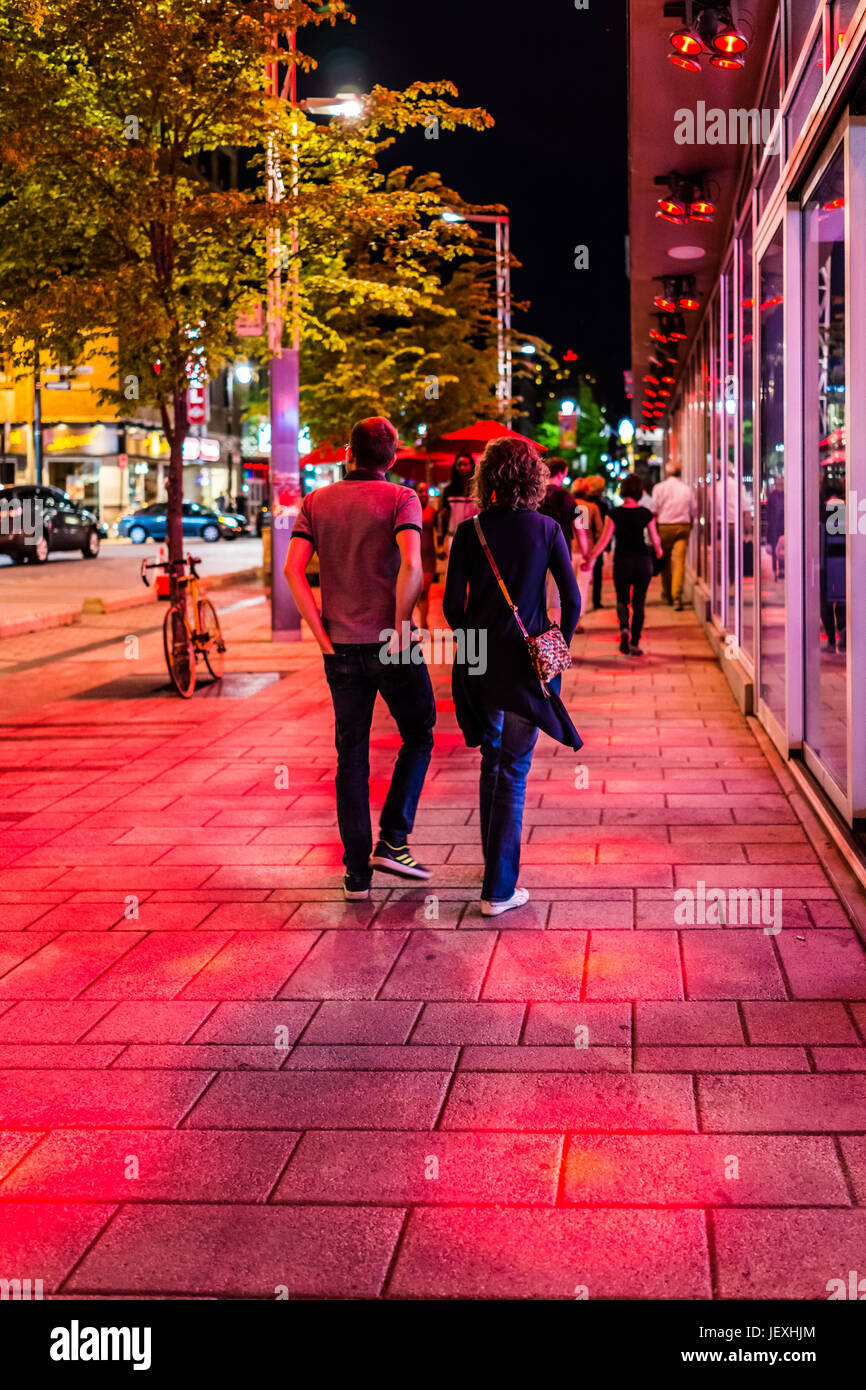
110,225
433,367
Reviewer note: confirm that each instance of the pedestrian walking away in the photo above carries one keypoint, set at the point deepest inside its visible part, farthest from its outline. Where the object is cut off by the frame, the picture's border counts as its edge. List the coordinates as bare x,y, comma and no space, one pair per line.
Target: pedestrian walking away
502,707
674,507
367,533
428,552
562,507
594,485
632,561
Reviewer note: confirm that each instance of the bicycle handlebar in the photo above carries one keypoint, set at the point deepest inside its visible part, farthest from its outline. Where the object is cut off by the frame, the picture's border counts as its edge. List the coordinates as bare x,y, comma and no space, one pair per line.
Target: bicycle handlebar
190,560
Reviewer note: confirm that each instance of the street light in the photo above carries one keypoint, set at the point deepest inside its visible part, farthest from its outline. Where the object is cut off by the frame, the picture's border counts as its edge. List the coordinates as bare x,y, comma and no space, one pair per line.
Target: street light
502,222
243,373
347,104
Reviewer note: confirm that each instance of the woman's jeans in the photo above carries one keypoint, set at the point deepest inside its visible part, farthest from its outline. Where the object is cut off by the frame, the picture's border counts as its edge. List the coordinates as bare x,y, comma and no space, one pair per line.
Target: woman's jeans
631,579
506,756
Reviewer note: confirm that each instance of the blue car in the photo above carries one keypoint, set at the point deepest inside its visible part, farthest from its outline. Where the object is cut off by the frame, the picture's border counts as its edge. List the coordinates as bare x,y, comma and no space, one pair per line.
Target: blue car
149,523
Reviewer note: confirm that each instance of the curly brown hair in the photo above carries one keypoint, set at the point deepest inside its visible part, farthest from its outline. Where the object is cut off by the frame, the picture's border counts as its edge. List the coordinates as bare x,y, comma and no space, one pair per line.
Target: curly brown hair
512,475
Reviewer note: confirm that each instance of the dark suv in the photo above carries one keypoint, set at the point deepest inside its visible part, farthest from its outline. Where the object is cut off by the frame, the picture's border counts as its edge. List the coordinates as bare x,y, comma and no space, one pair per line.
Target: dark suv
35,521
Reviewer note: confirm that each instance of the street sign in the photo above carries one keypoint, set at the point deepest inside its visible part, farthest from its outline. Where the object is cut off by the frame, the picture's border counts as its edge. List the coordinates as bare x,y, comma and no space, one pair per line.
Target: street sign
250,325
196,403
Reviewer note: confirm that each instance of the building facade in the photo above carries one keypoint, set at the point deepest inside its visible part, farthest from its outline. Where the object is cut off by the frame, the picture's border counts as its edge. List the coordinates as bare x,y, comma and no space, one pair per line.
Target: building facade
748,243
108,459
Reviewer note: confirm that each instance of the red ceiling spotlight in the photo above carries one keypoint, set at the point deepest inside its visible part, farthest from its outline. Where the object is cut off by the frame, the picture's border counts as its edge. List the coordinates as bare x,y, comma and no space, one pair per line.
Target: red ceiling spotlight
666,394
669,380
689,198
676,330
672,211
682,60
678,293
688,42
653,380
833,205
729,38
709,27
657,336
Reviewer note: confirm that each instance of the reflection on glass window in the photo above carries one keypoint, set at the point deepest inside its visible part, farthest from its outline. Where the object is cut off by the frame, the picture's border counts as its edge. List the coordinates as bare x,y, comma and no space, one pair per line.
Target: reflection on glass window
747,499
718,415
825,468
800,16
772,480
843,13
730,397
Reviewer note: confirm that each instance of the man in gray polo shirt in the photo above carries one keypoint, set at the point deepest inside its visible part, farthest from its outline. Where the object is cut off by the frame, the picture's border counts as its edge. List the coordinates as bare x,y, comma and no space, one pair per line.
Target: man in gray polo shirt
367,533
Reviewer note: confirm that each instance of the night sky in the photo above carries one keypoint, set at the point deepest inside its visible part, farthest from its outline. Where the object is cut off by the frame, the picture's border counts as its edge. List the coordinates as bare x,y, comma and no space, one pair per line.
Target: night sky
554,79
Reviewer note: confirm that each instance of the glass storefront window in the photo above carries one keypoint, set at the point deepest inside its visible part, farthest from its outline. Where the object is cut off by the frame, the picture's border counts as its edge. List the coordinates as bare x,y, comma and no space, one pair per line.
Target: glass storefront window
730,403
843,13
800,16
772,479
717,388
825,460
807,91
747,495
705,402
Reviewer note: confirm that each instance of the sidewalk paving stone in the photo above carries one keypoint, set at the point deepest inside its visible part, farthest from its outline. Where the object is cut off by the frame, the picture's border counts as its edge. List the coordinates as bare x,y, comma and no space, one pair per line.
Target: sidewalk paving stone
401,1098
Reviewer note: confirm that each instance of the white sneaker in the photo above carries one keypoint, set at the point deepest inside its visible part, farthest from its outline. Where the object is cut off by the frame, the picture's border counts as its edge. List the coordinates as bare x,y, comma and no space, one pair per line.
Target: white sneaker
517,899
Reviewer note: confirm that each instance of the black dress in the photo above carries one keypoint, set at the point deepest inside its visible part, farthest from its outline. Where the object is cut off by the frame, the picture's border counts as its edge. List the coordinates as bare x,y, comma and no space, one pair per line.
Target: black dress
525,545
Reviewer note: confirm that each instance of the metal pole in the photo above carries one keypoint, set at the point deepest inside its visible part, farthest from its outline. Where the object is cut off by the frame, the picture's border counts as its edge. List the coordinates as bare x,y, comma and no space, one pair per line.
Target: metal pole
284,467
506,259
500,319
37,420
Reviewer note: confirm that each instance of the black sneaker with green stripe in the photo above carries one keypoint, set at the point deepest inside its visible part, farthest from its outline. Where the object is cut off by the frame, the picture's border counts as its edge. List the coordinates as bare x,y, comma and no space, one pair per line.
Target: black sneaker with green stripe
397,859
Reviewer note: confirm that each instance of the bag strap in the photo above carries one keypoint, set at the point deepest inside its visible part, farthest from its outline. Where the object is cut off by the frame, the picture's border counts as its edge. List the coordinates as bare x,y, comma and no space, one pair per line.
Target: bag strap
500,581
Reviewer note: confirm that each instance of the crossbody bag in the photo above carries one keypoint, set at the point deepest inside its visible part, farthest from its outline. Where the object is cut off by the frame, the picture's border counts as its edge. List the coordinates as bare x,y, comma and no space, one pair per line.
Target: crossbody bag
548,653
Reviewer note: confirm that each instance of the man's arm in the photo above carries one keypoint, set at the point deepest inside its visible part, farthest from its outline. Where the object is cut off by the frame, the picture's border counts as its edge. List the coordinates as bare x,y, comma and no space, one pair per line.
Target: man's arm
300,553
581,528
409,578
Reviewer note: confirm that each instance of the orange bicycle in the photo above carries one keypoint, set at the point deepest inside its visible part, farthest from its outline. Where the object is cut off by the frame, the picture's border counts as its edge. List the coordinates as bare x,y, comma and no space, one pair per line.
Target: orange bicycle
185,641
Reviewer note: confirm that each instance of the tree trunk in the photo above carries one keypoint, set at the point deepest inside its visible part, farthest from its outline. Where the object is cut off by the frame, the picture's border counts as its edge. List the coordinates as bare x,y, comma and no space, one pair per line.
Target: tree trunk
176,433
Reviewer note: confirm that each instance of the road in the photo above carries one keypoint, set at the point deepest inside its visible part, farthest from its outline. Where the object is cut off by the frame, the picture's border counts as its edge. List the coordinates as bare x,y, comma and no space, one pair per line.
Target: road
32,597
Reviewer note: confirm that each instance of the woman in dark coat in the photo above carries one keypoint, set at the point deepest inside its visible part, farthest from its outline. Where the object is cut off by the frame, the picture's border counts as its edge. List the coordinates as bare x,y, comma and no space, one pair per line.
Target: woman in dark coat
499,701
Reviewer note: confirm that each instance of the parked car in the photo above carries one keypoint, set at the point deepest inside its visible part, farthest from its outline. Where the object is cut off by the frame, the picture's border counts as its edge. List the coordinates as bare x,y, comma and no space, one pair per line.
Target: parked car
35,521
243,523
149,523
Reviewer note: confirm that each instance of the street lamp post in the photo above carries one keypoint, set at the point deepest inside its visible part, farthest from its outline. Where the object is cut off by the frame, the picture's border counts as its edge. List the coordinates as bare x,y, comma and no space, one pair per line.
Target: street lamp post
284,366
285,482
502,222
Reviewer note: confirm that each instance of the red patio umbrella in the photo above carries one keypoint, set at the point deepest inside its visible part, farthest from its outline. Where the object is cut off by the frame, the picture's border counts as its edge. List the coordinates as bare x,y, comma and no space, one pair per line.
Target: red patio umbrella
477,435
325,453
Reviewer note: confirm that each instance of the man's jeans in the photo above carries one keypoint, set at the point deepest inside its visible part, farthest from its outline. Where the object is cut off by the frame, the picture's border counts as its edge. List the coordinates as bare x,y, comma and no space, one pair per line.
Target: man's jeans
674,537
356,674
506,756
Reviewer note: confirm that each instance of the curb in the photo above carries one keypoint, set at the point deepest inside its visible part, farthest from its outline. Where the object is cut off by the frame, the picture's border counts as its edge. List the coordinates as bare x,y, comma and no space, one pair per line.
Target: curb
68,617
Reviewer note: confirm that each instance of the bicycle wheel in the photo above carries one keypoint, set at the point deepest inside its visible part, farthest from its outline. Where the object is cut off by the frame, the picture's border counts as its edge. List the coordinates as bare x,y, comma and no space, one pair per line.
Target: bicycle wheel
210,638
179,652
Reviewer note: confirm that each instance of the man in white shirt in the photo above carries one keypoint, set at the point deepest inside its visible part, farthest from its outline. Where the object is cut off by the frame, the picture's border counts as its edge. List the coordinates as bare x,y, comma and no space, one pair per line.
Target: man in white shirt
674,505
